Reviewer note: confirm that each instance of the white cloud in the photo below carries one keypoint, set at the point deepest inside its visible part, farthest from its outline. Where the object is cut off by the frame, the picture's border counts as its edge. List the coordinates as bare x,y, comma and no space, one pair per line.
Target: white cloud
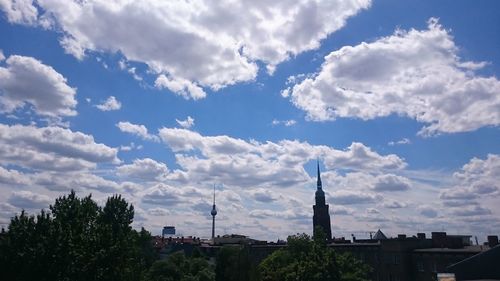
2,57
287,123
20,11
167,195
360,157
483,176
346,197
476,179
390,182
180,86
130,147
243,163
283,214
392,204
13,177
476,189
144,169
29,200
52,148
208,43
80,181
471,211
264,195
186,124
428,211
411,73
138,130
341,210
401,141
27,80
110,104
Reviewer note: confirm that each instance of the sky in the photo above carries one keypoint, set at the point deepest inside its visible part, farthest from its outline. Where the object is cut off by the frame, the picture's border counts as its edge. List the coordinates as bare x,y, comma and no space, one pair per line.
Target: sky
160,101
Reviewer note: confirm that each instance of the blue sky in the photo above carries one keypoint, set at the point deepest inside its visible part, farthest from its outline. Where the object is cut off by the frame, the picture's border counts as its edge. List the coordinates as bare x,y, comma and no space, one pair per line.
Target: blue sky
159,101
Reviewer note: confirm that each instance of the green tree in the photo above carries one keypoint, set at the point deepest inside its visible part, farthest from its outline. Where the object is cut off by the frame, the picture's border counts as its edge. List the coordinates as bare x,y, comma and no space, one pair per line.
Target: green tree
234,263
77,240
177,267
306,259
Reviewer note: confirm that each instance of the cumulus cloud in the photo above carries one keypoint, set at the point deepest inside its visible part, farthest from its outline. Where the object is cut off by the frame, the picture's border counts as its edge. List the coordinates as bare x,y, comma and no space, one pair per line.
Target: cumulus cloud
110,104
26,80
138,130
13,177
167,195
29,200
341,210
471,211
20,11
417,74
243,163
346,197
264,195
392,204
284,214
360,157
428,211
186,124
476,179
145,169
77,180
52,148
180,86
192,44
390,182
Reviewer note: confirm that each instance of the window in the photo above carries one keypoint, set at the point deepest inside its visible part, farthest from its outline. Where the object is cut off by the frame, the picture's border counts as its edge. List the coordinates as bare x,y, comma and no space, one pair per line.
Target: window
396,259
420,266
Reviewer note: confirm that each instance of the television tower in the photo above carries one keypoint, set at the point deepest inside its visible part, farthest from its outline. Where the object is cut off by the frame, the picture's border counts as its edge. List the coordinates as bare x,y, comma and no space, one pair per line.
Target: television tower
213,213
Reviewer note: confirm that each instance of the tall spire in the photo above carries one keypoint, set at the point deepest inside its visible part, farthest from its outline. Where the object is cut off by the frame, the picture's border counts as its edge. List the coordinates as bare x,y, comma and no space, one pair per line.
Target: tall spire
213,213
319,185
214,194
321,217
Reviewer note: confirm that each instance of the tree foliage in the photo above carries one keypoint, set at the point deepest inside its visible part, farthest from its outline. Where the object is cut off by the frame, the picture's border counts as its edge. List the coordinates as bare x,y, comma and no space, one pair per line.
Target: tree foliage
76,240
234,263
306,259
177,267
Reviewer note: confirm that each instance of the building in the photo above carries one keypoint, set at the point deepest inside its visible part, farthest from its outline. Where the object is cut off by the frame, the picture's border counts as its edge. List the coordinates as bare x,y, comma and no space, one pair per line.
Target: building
410,258
483,266
321,217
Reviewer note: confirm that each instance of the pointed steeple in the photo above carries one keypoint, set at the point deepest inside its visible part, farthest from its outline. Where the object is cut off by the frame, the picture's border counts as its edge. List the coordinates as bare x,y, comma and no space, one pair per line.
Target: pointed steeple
320,194
321,217
319,185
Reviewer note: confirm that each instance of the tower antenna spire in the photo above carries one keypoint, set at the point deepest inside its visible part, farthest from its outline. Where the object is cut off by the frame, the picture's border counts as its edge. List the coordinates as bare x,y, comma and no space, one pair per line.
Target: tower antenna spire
319,175
213,213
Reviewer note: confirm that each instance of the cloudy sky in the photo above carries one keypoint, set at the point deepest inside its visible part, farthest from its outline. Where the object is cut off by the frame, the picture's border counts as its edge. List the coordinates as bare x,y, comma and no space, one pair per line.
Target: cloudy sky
161,100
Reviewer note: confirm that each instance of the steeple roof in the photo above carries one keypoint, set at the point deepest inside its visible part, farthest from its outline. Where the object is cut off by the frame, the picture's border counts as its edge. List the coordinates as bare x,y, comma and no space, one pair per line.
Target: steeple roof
379,235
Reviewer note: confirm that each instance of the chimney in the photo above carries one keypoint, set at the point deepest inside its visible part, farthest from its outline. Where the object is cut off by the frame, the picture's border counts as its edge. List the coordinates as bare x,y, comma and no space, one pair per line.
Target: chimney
421,235
439,239
492,240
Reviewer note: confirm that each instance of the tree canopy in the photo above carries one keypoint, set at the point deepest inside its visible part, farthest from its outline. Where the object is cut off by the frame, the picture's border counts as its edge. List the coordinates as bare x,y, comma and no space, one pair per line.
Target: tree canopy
306,259
76,240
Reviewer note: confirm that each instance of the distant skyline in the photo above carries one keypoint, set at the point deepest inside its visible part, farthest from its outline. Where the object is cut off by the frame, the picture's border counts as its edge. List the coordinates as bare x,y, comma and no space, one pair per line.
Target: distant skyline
160,100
